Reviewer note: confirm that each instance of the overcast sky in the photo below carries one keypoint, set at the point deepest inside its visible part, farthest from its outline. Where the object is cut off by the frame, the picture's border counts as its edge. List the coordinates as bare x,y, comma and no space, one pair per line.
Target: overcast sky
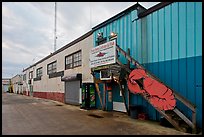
28,28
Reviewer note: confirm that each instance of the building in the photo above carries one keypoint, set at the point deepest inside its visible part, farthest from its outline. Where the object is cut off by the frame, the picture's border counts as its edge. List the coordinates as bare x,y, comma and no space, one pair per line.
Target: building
17,83
5,84
59,76
167,40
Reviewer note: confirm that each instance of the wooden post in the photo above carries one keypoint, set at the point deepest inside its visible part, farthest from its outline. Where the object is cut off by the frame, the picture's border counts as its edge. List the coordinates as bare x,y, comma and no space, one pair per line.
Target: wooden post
104,96
194,121
128,62
128,65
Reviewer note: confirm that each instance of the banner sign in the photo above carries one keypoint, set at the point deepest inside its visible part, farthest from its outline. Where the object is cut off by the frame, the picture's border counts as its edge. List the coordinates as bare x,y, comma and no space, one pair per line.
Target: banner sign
103,55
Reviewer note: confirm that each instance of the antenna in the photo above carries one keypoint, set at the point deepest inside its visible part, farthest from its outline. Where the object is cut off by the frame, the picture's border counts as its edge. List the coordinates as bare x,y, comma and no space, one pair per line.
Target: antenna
55,29
90,14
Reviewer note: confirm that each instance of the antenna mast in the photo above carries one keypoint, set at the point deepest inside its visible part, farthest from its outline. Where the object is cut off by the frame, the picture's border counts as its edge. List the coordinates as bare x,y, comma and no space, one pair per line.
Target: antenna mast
55,29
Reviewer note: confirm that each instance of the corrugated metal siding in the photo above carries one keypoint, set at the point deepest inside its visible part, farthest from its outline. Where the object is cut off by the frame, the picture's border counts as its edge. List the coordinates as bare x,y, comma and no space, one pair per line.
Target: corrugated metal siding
174,50
168,42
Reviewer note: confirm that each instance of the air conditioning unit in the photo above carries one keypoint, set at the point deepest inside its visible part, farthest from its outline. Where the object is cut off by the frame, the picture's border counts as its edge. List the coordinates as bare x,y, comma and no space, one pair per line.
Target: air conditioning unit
105,75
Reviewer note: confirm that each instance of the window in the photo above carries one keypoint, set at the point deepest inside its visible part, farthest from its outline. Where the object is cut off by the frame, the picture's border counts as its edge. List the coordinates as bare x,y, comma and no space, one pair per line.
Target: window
52,68
68,62
31,75
39,72
24,77
73,60
77,59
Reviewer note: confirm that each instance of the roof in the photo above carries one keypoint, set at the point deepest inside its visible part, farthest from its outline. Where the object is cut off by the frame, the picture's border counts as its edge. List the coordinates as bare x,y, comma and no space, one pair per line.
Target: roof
63,48
154,8
135,6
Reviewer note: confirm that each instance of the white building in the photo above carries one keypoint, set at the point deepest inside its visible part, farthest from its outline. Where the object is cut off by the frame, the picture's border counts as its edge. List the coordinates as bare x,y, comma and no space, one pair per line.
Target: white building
17,83
59,76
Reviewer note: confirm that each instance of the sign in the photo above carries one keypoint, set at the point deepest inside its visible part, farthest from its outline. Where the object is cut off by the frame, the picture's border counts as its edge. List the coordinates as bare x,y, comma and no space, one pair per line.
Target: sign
5,82
103,54
72,77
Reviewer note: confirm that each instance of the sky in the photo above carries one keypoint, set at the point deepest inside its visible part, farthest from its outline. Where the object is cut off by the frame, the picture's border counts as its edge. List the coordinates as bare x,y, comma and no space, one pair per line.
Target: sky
28,28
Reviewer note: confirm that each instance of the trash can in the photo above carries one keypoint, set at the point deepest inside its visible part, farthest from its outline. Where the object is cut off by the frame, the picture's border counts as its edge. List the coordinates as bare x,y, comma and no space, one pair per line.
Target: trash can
135,110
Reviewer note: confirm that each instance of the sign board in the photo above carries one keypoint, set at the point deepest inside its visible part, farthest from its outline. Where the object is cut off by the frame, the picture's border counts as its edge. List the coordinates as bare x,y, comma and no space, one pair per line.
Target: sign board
72,77
103,55
5,82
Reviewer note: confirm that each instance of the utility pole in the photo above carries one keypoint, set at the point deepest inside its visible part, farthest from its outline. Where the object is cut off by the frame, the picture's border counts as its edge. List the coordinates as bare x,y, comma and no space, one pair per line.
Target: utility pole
55,27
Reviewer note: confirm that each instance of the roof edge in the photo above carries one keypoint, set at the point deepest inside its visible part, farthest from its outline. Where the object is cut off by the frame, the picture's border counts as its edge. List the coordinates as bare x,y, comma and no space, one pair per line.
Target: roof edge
62,48
118,16
154,8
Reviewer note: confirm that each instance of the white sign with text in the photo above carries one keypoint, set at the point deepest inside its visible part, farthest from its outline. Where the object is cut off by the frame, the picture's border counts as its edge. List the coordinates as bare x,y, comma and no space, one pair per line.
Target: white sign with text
103,55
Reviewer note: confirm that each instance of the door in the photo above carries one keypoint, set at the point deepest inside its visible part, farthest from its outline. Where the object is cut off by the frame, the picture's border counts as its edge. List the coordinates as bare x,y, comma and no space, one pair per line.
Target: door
118,103
72,92
31,90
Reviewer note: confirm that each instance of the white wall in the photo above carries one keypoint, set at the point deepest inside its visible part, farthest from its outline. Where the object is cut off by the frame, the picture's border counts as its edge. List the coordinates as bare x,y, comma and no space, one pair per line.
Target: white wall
55,84
16,80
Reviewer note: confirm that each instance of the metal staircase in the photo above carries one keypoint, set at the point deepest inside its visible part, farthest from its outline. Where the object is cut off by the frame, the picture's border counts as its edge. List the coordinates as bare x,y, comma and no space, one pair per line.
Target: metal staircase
175,116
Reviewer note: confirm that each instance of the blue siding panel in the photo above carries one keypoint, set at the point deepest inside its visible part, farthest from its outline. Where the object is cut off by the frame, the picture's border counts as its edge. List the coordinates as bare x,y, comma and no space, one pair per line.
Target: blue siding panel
174,22
198,89
182,30
161,44
190,29
133,48
149,40
183,81
175,49
144,41
167,29
198,28
139,46
155,37
161,34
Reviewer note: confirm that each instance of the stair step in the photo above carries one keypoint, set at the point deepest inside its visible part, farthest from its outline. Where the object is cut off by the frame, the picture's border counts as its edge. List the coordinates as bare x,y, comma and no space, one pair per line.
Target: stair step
185,127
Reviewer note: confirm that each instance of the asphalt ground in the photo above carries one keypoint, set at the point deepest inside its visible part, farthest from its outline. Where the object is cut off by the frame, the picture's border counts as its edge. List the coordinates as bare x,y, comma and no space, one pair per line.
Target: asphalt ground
24,115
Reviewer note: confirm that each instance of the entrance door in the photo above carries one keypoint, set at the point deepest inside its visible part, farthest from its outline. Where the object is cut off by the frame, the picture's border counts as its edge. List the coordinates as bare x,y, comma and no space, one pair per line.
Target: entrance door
31,90
118,104
72,92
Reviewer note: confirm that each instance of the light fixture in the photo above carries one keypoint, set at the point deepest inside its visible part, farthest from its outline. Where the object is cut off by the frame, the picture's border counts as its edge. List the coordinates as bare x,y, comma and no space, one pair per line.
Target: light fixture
100,35
113,35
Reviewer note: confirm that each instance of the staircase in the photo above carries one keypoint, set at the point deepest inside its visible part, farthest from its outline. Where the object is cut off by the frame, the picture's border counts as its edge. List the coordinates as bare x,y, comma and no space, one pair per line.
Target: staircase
175,116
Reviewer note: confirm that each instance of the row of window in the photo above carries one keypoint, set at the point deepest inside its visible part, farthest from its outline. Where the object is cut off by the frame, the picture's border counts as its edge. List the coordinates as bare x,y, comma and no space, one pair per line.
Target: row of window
71,61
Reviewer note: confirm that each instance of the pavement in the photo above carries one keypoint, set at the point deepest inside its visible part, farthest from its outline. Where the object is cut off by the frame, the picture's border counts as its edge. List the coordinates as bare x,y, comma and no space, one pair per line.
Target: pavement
24,115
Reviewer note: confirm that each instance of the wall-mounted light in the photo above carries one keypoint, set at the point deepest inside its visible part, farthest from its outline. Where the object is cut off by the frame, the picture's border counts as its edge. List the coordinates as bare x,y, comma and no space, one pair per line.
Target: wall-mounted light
113,35
100,35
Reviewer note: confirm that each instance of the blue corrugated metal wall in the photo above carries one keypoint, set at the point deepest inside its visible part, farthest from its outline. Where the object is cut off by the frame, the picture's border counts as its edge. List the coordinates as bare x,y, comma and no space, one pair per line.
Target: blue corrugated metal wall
168,42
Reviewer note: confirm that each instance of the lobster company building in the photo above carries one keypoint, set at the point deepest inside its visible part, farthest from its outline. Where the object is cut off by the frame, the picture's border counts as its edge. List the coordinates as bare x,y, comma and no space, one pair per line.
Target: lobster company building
146,59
